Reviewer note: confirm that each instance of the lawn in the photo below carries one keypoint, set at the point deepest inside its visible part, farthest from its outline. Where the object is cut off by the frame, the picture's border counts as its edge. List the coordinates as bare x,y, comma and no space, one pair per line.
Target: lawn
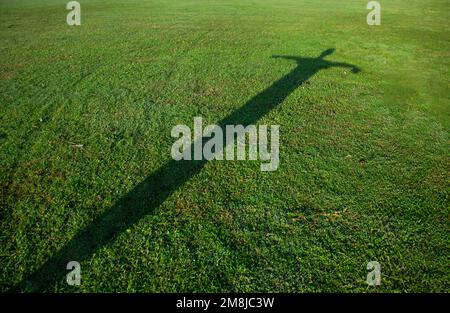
86,173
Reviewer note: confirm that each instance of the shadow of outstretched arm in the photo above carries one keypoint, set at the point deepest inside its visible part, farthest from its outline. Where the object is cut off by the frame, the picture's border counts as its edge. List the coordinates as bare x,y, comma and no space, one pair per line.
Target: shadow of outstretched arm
287,57
354,68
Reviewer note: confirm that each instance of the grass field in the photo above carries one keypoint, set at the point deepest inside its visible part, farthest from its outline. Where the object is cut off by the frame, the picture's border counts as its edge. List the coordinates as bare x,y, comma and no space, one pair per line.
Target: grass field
86,172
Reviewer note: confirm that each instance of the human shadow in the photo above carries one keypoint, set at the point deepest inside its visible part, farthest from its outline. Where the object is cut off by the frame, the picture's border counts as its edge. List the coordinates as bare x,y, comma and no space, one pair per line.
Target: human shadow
157,187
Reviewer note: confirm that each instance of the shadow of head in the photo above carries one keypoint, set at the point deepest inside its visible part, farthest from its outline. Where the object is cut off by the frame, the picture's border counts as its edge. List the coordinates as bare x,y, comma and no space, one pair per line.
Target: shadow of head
327,53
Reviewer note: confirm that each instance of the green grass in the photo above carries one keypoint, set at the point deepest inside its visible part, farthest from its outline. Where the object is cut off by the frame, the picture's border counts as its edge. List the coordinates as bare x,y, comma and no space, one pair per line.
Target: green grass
364,163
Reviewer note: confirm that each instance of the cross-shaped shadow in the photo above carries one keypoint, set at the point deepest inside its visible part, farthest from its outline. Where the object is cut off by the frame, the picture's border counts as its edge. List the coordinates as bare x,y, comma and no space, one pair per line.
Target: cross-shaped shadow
157,187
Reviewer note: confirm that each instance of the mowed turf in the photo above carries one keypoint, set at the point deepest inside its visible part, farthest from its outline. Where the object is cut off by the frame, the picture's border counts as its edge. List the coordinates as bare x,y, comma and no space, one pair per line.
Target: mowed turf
86,171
